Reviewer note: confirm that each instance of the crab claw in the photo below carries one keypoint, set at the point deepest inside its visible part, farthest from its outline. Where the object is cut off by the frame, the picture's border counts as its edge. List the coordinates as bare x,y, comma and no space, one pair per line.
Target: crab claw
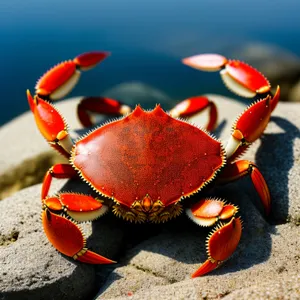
239,77
68,239
51,124
221,244
61,79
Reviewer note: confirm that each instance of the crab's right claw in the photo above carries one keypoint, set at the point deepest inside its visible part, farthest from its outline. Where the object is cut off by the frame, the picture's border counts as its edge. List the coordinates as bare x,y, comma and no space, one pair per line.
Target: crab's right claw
51,124
68,239
239,77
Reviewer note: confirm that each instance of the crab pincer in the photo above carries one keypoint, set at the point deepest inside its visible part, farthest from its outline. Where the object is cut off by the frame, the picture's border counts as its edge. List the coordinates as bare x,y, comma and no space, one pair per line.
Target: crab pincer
61,79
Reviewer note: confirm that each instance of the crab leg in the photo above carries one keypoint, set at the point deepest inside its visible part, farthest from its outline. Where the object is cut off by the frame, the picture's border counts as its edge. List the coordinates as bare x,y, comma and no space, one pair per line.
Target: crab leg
225,237
63,233
99,105
61,171
242,168
250,125
196,105
51,124
61,79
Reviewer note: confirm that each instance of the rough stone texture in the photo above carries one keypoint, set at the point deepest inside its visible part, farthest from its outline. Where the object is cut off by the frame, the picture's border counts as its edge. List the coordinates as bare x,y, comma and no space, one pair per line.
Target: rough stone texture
27,155
155,261
31,268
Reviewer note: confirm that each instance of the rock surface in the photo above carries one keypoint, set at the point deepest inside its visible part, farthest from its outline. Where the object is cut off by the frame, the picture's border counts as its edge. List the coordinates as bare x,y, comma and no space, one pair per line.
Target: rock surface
155,261
27,155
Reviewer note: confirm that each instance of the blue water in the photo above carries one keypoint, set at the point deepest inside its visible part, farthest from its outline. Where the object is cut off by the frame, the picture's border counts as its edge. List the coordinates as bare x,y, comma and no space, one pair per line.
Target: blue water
147,40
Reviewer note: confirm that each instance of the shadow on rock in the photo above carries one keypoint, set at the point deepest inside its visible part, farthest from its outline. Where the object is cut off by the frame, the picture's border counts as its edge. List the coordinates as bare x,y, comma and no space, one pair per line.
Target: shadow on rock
275,158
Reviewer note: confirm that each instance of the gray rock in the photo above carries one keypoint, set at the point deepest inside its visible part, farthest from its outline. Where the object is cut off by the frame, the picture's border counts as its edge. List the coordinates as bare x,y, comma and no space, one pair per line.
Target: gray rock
155,261
31,268
27,155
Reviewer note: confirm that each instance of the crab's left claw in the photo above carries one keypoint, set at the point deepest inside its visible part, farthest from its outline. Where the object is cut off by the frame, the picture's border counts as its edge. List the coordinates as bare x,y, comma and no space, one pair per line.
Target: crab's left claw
63,233
61,79
239,77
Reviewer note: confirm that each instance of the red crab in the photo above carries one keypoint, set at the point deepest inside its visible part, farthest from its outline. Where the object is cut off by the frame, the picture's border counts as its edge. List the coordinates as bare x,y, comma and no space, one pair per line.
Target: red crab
147,162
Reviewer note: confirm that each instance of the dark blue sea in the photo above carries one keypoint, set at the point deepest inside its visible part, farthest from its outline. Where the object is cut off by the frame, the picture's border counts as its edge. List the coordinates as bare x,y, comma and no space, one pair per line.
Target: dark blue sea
147,40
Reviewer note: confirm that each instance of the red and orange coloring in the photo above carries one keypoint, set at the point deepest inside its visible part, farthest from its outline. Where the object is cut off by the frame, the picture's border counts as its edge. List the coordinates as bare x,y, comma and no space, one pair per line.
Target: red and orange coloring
146,163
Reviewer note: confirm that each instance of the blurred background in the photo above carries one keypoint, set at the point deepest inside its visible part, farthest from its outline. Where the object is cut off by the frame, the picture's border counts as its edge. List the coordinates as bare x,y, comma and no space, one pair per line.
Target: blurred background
147,39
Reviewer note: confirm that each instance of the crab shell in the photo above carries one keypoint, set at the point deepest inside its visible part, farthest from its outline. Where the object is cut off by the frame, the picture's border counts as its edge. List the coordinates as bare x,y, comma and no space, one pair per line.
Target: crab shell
147,162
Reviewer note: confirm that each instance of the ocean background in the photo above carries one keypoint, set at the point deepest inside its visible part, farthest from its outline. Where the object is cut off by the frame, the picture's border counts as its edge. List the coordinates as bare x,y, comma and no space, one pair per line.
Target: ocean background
147,39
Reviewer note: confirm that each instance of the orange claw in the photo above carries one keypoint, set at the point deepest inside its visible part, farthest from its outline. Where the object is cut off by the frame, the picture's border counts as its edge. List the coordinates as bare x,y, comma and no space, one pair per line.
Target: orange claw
67,238
239,77
88,60
220,245
206,62
244,79
62,78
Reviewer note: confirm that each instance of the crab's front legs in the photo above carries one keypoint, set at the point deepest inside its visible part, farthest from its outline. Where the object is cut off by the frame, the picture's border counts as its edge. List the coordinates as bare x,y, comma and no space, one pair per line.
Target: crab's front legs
99,105
60,214
250,125
192,106
224,238
51,124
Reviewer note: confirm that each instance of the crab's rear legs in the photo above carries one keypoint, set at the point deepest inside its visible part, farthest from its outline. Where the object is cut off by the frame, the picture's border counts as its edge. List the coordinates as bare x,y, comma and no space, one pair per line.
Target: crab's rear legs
224,238
62,211
242,168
